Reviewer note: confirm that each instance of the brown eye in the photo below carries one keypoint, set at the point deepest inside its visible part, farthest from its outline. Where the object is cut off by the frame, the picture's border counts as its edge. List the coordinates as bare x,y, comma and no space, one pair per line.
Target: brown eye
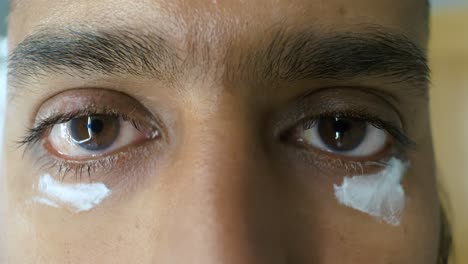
93,136
340,133
352,137
94,133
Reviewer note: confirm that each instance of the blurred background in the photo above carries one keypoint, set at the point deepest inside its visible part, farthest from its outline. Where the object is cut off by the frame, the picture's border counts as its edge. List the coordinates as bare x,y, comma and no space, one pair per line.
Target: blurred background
3,13
3,50
448,55
449,61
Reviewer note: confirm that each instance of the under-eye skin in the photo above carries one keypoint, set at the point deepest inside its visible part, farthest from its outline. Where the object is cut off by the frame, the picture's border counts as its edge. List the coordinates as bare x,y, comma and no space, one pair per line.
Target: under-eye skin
90,132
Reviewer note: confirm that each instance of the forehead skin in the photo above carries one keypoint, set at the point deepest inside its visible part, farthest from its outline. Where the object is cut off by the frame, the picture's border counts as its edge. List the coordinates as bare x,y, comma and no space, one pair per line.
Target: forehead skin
213,21
193,26
221,29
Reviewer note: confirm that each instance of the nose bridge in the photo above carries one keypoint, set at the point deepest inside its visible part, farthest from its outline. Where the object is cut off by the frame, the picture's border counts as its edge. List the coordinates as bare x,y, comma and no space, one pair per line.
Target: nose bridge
223,212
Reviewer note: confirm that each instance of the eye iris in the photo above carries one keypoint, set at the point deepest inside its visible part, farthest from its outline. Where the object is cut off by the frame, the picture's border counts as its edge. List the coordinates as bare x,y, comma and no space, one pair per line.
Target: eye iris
341,134
96,126
94,132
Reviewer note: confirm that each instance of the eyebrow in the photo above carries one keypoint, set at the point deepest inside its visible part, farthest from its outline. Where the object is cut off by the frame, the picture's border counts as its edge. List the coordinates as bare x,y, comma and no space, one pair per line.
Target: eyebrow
285,55
83,53
373,53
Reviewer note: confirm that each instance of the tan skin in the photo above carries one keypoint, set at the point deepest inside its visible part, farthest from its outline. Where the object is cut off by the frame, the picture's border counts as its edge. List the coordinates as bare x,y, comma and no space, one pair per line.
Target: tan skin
218,185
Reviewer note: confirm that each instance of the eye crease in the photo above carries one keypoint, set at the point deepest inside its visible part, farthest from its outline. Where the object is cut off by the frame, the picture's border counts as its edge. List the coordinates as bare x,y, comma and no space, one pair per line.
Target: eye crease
73,138
220,132
90,132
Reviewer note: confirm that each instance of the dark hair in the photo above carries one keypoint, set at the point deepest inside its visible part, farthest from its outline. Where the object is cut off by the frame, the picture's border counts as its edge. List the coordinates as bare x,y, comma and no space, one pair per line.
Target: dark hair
445,239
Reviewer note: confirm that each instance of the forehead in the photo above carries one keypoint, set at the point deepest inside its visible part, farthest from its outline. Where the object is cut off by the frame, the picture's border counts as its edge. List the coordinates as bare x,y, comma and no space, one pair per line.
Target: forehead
220,20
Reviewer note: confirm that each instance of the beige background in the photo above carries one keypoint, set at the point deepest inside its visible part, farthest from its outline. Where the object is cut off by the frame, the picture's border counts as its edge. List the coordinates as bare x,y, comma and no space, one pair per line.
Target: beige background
449,62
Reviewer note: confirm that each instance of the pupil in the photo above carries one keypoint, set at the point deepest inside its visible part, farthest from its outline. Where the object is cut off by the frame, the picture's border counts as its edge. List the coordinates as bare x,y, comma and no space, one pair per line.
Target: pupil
342,134
94,133
96,125
340,126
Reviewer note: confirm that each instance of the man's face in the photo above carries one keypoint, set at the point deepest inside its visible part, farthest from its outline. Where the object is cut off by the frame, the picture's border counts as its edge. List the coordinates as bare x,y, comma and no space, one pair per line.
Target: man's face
219,131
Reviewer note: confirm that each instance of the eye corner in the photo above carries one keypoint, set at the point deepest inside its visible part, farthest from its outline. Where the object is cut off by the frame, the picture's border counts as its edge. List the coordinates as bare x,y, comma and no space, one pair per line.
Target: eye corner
137,126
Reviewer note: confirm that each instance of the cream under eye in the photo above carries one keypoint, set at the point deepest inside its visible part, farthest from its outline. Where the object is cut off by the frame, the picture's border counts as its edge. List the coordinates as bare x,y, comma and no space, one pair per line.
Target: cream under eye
356,141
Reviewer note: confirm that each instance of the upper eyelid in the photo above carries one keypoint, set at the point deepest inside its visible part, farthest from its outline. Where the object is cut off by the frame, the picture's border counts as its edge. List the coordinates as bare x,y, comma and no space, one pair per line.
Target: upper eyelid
337,99
90,101
388,127
87,91
35,133
93,99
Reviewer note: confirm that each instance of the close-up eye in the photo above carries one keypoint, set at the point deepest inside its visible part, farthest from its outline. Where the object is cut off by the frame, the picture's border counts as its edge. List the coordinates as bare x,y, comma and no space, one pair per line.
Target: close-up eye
93,136
91,130
191,131
344,136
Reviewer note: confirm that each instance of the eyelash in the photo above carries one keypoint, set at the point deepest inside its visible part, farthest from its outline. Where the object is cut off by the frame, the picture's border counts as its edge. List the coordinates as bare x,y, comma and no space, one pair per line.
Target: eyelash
64,168
324,163
77,169
402,143
34,136
36,133
402,139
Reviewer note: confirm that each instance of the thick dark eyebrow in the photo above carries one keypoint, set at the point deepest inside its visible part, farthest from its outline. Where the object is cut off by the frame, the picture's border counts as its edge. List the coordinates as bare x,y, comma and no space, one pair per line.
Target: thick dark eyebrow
82,53
288,55
373,53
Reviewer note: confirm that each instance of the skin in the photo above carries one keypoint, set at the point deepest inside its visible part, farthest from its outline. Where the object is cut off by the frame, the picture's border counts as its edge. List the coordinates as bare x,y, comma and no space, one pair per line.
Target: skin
218,188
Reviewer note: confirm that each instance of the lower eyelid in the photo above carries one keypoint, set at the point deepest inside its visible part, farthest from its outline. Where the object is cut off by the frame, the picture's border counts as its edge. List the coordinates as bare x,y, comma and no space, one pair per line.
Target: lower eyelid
338,166
111,169
314,153
299,133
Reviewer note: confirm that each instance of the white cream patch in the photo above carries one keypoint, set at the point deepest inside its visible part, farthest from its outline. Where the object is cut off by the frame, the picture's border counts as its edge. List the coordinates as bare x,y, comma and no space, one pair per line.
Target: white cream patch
45,201
380,195
77,197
